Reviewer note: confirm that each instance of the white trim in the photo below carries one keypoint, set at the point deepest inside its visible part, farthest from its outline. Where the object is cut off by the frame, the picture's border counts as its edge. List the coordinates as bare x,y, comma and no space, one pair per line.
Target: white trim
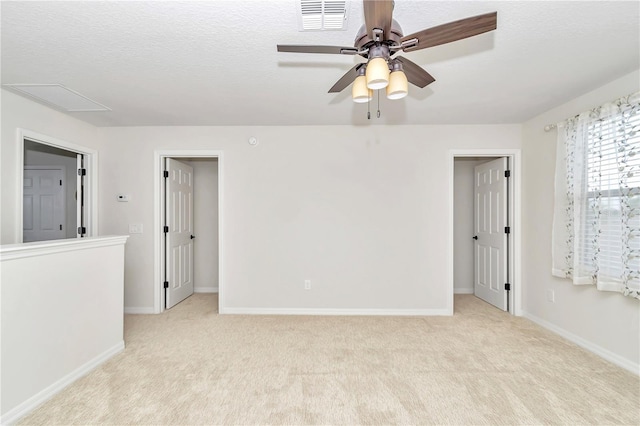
91,157
463,291
158,213
47,393
591,347
340,312
39,248
135,310
515,192
205,289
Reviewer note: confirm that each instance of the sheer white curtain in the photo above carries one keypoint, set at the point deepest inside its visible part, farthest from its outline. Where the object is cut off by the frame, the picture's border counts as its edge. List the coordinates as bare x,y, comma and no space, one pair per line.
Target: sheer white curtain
596,226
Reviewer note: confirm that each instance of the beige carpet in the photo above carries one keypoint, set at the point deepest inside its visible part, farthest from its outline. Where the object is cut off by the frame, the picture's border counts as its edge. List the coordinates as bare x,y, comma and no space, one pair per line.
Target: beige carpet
481,366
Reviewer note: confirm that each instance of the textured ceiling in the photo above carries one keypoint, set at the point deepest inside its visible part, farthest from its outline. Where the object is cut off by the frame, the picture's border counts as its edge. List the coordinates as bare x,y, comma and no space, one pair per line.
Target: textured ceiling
215,62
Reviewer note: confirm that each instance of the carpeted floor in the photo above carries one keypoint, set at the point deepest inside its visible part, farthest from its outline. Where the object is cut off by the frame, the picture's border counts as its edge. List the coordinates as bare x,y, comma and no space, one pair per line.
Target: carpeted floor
481,366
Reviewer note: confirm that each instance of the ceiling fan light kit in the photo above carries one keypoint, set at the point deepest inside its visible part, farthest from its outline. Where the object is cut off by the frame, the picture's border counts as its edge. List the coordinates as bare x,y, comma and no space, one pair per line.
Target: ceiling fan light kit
377,74
398,86
360,93
380,39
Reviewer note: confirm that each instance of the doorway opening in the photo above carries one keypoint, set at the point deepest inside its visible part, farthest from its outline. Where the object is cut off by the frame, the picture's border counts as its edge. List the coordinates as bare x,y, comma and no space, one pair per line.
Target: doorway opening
56,190
484,256
188,218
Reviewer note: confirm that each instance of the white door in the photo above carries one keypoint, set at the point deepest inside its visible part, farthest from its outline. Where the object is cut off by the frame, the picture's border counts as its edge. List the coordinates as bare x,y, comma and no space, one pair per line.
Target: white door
179,235
490,220
43,204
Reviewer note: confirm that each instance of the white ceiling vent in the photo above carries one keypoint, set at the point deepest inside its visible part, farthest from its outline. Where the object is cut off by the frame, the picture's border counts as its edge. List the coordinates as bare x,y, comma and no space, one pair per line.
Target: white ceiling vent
58,96
323,15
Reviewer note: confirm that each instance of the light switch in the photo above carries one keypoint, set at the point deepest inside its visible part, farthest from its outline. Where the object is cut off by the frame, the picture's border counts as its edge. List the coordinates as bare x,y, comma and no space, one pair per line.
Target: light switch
135,228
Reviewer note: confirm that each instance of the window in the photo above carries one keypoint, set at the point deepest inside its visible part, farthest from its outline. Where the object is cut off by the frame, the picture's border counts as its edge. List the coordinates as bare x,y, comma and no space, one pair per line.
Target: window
613,185
596,232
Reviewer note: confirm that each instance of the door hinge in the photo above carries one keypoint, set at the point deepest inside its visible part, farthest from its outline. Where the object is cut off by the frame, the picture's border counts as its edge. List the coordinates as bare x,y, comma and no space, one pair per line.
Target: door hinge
507,229
165,174
166,284
507,173
507,286
60,182
82,230
165,229
82,172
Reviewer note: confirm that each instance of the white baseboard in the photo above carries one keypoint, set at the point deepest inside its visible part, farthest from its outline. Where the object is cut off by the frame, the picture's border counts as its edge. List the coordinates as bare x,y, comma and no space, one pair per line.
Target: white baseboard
47,393
321,311
205,289
463,291
138,310
591,347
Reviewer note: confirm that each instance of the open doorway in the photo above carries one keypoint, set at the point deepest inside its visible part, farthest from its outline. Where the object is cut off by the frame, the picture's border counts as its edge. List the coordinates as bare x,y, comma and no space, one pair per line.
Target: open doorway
484,231
49,193
187,209
58,181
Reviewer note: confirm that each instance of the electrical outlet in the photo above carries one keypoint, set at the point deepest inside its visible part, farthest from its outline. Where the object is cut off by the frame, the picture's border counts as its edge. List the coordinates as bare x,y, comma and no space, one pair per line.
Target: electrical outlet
307,284
551,296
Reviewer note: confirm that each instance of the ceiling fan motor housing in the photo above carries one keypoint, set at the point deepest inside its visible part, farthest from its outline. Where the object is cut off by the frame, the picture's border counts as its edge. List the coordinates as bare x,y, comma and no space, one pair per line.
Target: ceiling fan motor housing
393,39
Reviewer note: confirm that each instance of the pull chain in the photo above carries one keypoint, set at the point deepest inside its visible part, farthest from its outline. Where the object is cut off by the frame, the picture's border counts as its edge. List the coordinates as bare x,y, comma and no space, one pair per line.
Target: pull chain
369,109
378,103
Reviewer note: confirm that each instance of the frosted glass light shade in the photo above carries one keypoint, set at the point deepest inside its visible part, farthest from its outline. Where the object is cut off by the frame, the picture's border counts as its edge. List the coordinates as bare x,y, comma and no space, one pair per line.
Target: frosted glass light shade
377,74
359,91
398,85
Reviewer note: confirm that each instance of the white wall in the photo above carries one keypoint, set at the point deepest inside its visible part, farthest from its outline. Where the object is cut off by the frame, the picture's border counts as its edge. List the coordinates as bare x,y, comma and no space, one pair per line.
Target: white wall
205,224
607,322
38,158
19,112
59,318
360,211
354,209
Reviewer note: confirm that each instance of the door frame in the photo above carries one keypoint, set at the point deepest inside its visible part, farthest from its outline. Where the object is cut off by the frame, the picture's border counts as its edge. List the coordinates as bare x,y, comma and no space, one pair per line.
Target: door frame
91,178
159,219
515,222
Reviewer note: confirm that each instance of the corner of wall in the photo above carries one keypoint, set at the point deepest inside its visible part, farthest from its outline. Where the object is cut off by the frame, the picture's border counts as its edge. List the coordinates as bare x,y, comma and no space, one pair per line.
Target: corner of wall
615,329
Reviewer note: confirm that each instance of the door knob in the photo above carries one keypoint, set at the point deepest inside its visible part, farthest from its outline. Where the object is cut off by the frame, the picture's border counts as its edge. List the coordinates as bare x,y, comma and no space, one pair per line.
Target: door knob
475,237
193,236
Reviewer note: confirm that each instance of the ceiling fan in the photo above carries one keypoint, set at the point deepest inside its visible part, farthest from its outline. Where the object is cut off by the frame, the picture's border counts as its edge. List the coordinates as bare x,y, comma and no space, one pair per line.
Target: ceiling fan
380,39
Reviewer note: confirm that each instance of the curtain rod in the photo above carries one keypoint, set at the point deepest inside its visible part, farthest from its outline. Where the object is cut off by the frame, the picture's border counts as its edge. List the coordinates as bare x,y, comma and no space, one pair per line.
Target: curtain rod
550,127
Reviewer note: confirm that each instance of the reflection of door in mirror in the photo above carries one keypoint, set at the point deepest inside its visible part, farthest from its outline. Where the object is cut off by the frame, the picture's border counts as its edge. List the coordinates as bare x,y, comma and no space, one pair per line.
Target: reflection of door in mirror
49,193
43,204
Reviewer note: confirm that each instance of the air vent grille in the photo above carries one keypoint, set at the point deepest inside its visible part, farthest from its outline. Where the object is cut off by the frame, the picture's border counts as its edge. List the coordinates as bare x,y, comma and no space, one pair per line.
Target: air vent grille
323,15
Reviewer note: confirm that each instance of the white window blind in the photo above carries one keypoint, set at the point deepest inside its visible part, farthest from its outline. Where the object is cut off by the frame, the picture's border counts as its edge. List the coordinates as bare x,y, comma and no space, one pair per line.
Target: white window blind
613,173
596,229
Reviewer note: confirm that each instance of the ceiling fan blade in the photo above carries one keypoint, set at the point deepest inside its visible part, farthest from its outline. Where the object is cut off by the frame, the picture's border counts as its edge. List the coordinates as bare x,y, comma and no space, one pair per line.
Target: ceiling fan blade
415,73
378,14
452,31
346,79
294,48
